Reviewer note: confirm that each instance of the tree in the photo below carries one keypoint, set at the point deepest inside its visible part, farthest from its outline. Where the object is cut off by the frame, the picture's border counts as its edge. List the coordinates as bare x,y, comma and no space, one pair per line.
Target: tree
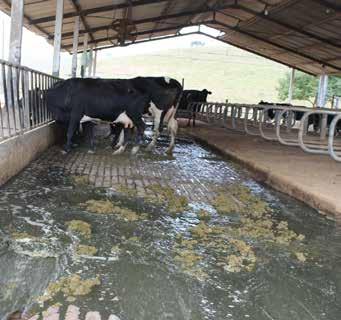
305,87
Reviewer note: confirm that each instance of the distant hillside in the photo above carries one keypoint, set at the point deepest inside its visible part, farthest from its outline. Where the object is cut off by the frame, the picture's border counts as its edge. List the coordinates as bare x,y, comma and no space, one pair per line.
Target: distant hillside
228,72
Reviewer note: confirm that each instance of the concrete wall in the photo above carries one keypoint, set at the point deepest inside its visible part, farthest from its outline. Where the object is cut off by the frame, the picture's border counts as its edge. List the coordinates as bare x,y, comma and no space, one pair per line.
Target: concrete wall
17,152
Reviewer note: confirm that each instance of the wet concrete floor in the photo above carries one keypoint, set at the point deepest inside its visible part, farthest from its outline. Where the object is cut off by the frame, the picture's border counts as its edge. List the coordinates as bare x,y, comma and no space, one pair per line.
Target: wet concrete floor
155,237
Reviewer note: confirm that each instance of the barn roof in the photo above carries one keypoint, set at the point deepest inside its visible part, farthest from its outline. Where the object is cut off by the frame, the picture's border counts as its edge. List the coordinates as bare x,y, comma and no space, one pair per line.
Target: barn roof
304,34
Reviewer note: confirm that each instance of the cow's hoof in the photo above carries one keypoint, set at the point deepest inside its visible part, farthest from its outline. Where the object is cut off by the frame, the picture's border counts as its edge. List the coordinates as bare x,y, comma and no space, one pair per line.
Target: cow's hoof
120,150
169,151
66,149
150,147
91,151
135,150
116,146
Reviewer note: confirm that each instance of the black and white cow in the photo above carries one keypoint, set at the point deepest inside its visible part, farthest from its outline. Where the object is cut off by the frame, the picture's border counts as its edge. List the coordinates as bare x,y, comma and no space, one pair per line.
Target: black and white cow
77,100
163,96
189,96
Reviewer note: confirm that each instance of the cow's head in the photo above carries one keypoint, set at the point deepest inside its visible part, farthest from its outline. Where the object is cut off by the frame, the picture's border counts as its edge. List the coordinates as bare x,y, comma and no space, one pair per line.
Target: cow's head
206,92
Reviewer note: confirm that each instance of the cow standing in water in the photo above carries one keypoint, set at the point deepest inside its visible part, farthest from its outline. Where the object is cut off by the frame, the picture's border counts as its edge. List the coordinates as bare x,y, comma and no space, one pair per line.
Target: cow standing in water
190,96
163,95
77,100
71,99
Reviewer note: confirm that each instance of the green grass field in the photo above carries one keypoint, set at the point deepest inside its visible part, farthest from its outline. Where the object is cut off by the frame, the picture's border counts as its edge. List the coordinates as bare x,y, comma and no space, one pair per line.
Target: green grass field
228,72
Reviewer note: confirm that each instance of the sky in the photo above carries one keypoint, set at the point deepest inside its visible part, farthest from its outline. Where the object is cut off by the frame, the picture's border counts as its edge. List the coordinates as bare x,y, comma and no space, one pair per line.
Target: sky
37,53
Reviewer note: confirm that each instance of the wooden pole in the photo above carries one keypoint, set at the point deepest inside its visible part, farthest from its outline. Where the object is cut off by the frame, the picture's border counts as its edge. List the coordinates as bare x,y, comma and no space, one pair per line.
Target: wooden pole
75,47
57,37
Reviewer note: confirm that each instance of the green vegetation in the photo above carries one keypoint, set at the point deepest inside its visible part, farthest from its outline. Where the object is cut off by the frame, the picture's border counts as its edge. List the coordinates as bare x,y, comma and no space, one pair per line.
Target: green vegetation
305,87
230,73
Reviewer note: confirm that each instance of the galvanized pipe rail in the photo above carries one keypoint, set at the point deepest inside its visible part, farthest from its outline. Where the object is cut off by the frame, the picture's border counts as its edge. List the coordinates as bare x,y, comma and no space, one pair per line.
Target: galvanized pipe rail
254,120
22,99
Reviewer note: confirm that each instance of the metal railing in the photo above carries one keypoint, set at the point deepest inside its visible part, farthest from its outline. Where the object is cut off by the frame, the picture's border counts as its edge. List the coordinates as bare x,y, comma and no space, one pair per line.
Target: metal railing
313,130
22,99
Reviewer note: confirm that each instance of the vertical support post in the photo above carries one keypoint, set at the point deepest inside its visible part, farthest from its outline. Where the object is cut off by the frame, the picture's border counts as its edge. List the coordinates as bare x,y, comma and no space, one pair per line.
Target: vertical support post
17,19
90,62
14,56
336,102
321,101
3,39
84,55
57,37
291,85
322,90
95,65
75,47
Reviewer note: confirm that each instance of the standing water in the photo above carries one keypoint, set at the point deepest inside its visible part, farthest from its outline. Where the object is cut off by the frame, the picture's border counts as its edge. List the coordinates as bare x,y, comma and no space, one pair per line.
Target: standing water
153,237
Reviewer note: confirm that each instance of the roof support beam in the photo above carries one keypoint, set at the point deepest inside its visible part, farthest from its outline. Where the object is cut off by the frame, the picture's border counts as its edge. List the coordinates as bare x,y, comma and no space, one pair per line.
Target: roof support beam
153,19
177,35
145,32
8,4
332,6
288,49
78,9
86,12
57,37
289,27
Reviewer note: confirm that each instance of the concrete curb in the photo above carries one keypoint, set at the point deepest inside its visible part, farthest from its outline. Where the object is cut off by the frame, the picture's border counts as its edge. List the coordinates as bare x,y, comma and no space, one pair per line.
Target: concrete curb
17,152
276,181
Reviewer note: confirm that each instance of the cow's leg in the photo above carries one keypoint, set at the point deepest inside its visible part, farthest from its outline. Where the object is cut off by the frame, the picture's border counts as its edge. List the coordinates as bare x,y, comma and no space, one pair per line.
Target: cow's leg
116,143
140,127
127,137
73,124
194,116
163,113
91,138
173,129
88,128
157,119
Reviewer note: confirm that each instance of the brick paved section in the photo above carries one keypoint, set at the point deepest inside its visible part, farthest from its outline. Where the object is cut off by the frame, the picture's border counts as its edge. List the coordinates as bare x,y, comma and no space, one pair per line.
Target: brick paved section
72,313
186,172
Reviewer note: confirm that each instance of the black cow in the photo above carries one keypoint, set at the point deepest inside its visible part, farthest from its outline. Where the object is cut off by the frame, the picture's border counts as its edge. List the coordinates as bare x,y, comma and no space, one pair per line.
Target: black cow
115,101
189,96
298,115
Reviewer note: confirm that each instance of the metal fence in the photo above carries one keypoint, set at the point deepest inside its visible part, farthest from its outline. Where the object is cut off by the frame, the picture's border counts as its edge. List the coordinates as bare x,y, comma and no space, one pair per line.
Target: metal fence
315,131
22,99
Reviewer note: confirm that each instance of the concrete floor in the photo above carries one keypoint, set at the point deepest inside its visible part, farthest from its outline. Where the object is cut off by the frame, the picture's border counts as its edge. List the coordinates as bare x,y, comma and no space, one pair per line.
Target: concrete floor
313,179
